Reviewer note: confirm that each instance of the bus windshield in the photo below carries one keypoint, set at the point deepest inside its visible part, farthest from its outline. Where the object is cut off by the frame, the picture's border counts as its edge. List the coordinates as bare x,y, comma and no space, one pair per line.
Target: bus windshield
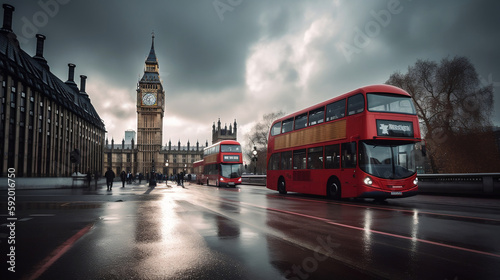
231,170
387,160
390,103
230,148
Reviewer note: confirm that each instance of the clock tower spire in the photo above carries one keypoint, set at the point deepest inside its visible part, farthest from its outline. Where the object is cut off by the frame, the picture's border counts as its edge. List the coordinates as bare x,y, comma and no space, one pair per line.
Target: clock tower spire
150,111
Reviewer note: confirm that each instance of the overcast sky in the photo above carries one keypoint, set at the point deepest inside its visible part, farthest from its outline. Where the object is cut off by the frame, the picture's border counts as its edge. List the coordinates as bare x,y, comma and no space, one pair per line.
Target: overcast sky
240,59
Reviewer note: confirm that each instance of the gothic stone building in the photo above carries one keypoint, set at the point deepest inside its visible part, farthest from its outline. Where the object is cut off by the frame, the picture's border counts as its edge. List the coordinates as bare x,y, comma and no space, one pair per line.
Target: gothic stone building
43,119
148,153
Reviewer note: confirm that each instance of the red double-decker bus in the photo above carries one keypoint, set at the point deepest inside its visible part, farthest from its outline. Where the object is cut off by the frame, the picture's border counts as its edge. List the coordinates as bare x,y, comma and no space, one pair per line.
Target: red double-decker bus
359,144
221,164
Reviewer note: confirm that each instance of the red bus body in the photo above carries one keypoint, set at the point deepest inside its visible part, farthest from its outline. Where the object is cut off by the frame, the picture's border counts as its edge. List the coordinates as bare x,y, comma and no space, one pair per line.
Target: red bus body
359,144
221,164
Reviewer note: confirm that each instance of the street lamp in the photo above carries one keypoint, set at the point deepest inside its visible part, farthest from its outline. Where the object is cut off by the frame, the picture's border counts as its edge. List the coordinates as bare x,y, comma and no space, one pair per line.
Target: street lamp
254,158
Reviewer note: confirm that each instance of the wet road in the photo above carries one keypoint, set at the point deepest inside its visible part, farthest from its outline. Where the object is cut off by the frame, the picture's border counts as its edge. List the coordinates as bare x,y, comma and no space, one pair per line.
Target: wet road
249,232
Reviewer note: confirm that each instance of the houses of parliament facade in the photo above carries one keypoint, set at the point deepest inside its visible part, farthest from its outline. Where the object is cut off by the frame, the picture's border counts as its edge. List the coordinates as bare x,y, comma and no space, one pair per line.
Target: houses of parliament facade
48,128
148,154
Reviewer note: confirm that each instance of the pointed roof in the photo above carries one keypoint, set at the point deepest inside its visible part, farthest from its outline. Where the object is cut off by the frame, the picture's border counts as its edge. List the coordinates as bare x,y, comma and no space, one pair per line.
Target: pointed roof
152,56
34,74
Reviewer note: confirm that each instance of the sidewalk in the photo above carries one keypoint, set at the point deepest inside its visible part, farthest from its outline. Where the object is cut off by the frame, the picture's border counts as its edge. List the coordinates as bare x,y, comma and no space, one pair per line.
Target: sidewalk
67,183
34,183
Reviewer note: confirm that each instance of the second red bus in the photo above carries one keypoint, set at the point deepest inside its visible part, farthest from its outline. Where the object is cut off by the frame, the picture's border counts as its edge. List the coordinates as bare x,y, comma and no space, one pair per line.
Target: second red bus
221,164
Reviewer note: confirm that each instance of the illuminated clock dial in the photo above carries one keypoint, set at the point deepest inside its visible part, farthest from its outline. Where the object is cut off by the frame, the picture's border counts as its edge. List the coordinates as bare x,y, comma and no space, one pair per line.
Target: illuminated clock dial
149,99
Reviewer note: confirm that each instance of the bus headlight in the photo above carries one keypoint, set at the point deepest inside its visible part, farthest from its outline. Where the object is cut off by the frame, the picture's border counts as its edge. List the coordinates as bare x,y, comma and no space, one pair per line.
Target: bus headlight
221,179
368,181
239,180
415,181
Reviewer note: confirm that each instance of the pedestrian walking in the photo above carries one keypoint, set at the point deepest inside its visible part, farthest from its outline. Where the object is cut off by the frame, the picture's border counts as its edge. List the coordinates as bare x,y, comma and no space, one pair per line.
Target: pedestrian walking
89,178
110,176
123,176
96,178
129,178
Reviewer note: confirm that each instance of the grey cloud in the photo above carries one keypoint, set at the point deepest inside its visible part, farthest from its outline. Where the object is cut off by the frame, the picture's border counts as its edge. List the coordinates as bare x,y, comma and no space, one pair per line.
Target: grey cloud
203,59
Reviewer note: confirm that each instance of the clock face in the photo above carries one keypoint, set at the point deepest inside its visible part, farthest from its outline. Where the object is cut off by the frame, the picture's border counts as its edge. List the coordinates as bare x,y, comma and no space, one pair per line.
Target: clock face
149,99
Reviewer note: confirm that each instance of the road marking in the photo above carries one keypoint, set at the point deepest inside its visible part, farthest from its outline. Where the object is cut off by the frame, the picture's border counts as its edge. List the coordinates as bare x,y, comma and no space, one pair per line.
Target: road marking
370,230
417,239
57,253
15,219
392,209
42,215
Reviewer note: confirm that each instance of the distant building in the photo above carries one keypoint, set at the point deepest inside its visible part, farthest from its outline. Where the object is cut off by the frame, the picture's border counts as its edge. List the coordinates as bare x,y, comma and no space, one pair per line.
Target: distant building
219,134
47,127
129,136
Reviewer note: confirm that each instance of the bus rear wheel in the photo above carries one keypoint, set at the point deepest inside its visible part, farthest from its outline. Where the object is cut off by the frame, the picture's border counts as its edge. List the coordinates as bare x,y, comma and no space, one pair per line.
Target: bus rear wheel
333,189
281,186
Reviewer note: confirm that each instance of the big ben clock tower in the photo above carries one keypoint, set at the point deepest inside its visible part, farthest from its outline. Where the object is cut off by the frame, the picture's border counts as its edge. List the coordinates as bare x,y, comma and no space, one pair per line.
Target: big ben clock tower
150,110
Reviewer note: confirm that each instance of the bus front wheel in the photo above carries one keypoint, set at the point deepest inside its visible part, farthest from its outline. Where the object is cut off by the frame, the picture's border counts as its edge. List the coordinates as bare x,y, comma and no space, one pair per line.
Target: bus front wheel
281,186
333,188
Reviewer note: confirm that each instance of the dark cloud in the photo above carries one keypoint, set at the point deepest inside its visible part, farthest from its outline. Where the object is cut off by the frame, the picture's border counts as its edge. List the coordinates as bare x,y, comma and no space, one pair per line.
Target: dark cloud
255,58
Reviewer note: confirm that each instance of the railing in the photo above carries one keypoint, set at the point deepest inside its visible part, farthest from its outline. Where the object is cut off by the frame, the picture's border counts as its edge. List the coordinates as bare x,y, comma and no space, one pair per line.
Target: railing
253,180
473,184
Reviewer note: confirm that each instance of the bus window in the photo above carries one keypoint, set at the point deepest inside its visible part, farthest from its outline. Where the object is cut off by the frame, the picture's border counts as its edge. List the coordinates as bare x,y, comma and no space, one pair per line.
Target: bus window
332,155
355,104
316,116
225,148
390,103
315,158
274,162
300,121
287,125
276,129
286,160
299,159
349,155
335,110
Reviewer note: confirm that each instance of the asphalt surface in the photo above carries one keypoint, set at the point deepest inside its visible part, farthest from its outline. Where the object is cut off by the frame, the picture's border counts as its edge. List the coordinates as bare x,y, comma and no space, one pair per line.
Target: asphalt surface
248,232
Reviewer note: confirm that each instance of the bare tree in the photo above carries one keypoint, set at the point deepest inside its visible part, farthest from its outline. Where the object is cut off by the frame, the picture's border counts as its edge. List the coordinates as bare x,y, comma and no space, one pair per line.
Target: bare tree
257,138
452,106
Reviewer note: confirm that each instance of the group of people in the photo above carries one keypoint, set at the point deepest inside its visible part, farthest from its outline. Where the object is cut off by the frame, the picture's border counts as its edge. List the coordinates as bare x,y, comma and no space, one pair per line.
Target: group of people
89,178
180,179
128,177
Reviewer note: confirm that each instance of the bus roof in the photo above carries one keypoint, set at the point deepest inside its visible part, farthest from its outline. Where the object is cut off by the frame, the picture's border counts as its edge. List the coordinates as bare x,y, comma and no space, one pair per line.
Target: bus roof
224,142
364,90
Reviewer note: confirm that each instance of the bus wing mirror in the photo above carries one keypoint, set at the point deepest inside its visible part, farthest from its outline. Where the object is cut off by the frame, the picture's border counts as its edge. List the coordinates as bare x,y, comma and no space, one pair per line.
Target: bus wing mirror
424,151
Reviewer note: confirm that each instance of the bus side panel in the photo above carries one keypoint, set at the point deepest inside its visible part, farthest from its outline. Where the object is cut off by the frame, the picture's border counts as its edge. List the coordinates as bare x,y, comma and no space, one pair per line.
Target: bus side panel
318,182
349,183
272,179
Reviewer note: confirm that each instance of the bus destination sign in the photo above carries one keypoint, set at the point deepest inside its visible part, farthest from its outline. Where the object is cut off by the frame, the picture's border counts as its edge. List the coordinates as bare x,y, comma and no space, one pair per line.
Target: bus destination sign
231,158
394,128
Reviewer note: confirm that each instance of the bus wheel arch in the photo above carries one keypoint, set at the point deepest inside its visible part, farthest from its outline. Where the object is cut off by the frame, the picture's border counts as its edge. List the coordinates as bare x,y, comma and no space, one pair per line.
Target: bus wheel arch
333,188
282,185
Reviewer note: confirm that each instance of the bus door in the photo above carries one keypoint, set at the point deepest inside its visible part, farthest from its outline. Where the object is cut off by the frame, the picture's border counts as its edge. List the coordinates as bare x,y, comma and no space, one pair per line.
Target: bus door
348,169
